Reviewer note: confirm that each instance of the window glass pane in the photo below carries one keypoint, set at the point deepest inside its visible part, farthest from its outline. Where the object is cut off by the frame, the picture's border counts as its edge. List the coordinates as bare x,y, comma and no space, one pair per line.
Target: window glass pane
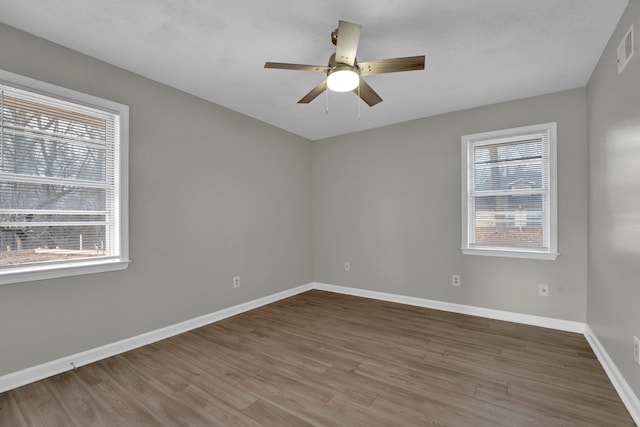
508,151
511,166
509,221
43,156
37,244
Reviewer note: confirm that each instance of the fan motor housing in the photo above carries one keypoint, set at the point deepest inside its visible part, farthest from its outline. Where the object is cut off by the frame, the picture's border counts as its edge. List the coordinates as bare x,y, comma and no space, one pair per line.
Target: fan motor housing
333,65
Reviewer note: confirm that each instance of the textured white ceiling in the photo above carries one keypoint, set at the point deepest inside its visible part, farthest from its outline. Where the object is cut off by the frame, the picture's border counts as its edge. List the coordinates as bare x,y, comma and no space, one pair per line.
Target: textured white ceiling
478,51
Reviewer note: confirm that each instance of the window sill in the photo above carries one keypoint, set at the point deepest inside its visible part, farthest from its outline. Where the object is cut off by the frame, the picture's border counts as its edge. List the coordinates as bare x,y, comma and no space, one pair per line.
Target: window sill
511,254
28,274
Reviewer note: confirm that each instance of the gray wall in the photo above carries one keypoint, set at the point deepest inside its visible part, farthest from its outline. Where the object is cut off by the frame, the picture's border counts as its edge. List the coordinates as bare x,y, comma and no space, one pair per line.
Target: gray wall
389,202
213,194
613,294
386,200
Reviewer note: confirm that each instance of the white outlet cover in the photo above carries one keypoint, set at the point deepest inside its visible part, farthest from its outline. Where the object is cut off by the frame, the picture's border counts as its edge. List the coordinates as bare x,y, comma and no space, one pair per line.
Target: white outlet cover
455,280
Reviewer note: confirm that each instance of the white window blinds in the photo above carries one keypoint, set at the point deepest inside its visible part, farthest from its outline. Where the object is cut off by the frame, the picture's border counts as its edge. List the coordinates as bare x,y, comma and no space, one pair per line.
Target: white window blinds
59,180
509,191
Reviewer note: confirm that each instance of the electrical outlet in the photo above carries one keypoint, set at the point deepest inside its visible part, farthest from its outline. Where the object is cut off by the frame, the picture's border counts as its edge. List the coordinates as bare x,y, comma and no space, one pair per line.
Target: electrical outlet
636,349
543,290
455,280
347,266
236,282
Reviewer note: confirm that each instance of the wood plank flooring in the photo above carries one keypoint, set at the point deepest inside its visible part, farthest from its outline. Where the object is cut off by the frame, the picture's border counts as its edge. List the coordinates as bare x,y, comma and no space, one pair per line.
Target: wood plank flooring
325,359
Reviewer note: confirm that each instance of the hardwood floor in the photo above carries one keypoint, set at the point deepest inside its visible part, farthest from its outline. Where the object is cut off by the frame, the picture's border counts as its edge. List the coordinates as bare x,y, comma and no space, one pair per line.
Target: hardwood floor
327,359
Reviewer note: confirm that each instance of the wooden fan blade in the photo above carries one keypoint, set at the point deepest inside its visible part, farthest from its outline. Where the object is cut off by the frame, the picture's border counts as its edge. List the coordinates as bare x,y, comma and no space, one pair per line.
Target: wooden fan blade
367,94
298,67
392,65
313,94
347,44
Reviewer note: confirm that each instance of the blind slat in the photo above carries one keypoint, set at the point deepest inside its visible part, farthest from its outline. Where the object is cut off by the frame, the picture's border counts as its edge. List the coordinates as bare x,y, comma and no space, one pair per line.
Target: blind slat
26,179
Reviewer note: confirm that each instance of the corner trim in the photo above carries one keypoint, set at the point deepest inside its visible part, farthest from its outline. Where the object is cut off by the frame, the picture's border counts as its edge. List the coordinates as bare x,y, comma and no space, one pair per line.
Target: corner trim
528,319
67,363
628,397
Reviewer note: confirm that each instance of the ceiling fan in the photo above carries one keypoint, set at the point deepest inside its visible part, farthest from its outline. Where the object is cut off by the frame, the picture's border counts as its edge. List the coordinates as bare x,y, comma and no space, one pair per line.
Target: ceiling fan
344,72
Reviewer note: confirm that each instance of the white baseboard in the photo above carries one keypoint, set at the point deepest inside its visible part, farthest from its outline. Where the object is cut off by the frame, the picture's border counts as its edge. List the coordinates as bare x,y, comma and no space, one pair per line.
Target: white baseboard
625,392
39,372
528,319
628,397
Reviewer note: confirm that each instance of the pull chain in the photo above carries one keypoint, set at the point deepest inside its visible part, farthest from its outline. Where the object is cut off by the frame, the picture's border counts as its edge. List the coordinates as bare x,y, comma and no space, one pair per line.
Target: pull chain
358,101
326,101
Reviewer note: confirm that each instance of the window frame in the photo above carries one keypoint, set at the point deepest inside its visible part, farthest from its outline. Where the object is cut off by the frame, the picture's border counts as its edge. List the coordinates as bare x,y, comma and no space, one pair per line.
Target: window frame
551,218
25,273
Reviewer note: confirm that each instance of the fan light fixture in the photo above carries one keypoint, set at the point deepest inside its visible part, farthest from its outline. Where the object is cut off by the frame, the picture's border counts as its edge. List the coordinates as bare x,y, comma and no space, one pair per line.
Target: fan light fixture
343,79
343,73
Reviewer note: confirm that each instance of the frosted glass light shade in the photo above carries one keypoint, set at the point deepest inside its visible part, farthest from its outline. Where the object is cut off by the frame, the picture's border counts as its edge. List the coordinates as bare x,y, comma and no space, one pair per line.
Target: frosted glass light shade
343,80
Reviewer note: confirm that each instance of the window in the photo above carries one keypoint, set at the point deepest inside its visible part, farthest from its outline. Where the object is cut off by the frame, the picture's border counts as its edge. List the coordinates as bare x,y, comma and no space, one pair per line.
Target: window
509,193
63,182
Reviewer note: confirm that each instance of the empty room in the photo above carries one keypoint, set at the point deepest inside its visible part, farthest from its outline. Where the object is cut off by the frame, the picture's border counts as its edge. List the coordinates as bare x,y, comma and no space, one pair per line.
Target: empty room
338,213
